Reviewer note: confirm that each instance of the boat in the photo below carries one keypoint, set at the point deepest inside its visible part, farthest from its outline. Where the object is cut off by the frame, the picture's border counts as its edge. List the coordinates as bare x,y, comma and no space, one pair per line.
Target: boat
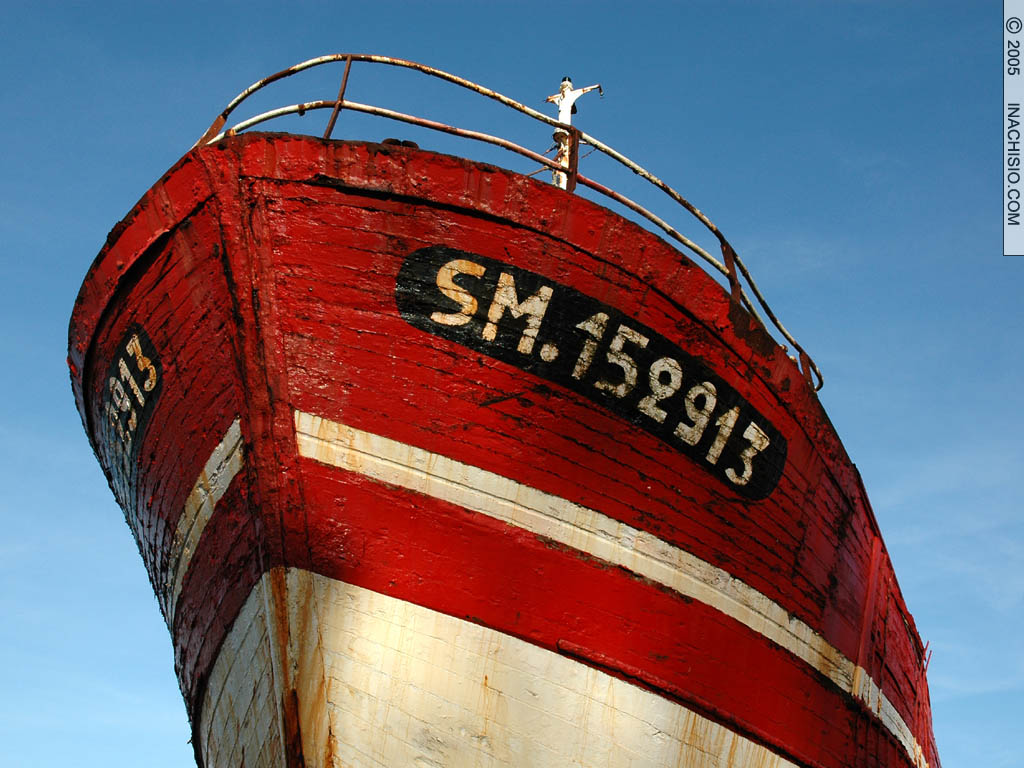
434,463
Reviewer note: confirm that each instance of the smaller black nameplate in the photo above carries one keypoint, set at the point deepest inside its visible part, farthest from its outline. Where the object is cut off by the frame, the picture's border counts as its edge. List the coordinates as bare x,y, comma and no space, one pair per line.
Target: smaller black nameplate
129,396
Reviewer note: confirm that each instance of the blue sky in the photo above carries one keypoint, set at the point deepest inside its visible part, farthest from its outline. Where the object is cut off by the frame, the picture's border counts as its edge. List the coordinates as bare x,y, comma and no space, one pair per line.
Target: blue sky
849,150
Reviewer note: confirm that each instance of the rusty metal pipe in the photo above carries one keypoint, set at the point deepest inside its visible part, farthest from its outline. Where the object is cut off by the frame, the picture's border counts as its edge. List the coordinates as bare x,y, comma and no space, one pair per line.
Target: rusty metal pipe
341,99
369,109
733,268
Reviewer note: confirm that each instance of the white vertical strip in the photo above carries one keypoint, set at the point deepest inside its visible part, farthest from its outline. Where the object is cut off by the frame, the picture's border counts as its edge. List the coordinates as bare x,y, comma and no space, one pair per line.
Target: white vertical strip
240,718
222,466
598,535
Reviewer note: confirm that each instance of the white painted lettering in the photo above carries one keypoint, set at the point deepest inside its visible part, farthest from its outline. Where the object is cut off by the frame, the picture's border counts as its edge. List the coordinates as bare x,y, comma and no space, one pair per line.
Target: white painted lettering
691,435
757,441
446,284
595,326
134,347
619,358
661,390
126,376
725,423
534,308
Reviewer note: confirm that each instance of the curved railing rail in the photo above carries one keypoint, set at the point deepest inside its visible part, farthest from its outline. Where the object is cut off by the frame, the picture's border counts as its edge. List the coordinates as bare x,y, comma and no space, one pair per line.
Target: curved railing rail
731,266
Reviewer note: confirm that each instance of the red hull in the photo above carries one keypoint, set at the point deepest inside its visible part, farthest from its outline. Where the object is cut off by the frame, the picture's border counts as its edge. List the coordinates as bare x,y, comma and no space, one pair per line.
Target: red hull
297,287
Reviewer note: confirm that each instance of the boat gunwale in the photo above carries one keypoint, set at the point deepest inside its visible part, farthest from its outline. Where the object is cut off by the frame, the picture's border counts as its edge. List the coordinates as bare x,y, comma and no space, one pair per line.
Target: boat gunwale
733,269
159,215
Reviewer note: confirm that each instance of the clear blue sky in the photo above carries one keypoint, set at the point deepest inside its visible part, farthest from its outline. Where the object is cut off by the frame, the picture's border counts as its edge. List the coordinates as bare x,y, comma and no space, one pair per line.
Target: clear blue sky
850,151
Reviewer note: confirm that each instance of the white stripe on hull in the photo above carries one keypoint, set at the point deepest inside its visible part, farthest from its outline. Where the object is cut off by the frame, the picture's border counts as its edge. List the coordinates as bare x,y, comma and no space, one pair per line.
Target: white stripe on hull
589,531
408,686
224,463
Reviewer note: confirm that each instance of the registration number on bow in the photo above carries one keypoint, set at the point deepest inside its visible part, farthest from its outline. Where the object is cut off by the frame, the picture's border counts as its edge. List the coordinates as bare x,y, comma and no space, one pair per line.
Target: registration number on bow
571,339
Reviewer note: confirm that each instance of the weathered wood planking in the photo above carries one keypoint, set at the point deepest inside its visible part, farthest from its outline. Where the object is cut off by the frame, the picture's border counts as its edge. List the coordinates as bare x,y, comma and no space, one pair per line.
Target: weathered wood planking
460,321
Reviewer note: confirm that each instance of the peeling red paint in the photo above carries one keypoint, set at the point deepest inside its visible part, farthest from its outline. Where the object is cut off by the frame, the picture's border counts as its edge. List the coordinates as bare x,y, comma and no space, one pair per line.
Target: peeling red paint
264,267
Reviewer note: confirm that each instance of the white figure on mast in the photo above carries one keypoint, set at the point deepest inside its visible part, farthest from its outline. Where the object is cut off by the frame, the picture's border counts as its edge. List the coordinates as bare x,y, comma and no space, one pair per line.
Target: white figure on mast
566,101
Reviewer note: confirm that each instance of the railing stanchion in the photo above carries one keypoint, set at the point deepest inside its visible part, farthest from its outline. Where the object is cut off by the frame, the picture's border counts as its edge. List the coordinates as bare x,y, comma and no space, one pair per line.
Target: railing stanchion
735,290
341,98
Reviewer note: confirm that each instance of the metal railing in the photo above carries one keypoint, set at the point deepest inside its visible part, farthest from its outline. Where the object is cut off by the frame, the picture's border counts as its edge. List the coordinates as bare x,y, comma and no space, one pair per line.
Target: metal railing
731,266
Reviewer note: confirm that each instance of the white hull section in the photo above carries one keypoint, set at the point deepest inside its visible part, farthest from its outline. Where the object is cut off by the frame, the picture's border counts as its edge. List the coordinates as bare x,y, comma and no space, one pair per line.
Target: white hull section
240,719
397,684
589,531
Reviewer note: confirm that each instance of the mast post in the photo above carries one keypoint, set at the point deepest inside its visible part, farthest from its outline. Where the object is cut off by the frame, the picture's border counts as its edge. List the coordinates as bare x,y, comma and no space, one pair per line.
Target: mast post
567,139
